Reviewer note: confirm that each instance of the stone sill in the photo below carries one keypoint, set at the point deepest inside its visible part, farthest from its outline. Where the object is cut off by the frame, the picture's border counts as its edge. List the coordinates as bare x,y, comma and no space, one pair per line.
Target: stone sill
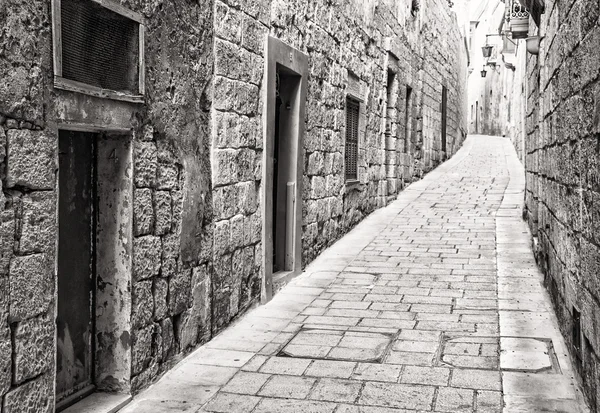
100,403
281,278
352,184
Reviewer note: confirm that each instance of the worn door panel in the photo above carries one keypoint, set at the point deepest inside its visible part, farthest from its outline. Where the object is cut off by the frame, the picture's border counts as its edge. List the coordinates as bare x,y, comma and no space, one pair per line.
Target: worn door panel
74,370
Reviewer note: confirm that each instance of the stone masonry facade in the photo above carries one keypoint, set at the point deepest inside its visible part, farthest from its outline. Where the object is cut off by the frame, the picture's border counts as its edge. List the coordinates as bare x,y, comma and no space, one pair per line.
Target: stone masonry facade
560,90
192,215
563,175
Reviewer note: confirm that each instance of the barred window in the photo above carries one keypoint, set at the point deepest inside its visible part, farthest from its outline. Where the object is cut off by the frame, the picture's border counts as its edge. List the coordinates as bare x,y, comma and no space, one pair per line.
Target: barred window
351,156
98,48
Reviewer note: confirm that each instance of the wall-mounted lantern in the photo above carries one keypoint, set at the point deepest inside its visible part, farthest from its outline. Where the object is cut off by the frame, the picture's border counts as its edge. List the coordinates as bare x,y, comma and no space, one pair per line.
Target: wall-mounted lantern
483,72
487,50
533,44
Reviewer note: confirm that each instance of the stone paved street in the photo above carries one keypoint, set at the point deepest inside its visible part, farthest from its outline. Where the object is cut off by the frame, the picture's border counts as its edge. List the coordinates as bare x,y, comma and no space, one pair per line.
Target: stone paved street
433,303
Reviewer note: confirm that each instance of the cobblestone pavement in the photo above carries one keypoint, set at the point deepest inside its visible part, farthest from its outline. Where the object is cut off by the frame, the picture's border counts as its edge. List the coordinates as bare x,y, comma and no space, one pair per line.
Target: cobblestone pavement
431,304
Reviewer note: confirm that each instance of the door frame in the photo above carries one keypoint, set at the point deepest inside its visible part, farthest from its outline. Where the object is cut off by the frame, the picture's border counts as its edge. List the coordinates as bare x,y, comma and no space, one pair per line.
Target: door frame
279,53
113,258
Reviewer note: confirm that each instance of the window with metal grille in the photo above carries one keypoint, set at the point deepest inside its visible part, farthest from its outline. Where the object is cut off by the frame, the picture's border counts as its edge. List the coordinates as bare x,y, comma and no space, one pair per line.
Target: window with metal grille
351,156
98,47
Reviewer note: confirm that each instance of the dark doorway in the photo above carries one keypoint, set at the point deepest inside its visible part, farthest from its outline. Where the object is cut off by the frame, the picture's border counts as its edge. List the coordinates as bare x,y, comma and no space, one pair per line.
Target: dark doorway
444,119
476,117
284,172
76,266
407,119
390,111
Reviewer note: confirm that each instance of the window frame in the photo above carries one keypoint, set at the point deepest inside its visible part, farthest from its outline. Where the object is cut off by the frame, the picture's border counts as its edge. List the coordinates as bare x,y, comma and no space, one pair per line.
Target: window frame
358,103
74,86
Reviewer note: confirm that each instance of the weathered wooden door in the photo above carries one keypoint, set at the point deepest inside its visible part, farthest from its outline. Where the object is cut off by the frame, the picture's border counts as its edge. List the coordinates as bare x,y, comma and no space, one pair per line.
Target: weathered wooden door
76,234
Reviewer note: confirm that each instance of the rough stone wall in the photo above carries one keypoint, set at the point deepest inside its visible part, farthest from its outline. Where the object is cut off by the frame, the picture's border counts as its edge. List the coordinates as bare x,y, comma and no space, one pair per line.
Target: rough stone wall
171,280
345,42
172,207
27,236
563,173
240,30
444,64
28,157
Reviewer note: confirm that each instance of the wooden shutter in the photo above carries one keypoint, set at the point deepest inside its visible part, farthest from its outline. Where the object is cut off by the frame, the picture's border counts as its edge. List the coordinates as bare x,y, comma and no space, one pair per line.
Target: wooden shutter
351,157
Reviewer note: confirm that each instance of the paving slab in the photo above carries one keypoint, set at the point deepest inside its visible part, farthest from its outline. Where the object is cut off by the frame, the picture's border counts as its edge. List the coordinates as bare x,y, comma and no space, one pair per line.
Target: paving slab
433,303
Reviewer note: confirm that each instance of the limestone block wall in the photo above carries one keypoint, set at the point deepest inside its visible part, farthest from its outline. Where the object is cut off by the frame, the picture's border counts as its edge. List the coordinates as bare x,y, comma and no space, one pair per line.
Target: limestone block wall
168,289
444,64
563,175
28,157
236,132
172,224
27,236
350,45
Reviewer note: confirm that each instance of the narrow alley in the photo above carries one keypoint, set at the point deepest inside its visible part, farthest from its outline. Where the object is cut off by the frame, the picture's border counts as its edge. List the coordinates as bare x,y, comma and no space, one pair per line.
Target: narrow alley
280,206
433,303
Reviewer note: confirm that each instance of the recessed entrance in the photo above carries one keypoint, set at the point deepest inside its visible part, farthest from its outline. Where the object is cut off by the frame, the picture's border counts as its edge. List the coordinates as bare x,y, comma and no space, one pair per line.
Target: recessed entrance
94,265
282,164
444,120
76,269
284,169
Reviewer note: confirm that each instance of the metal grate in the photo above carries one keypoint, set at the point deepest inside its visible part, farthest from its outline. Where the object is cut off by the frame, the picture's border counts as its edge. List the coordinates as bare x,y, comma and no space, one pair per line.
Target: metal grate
99,47
351,156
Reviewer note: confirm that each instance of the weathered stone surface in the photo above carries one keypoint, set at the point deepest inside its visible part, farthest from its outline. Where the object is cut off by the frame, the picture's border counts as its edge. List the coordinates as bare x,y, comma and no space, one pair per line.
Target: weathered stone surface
228,23
167,176
235,96
145,164
34,347
31,286
143,213
233,165
141,351
146,257
236,63
168,338
33,396
179,292
142,304
254,33
231,130
5,361
194,326
144,379
25,46
162,209
7,239
38,223
30,159
160,291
